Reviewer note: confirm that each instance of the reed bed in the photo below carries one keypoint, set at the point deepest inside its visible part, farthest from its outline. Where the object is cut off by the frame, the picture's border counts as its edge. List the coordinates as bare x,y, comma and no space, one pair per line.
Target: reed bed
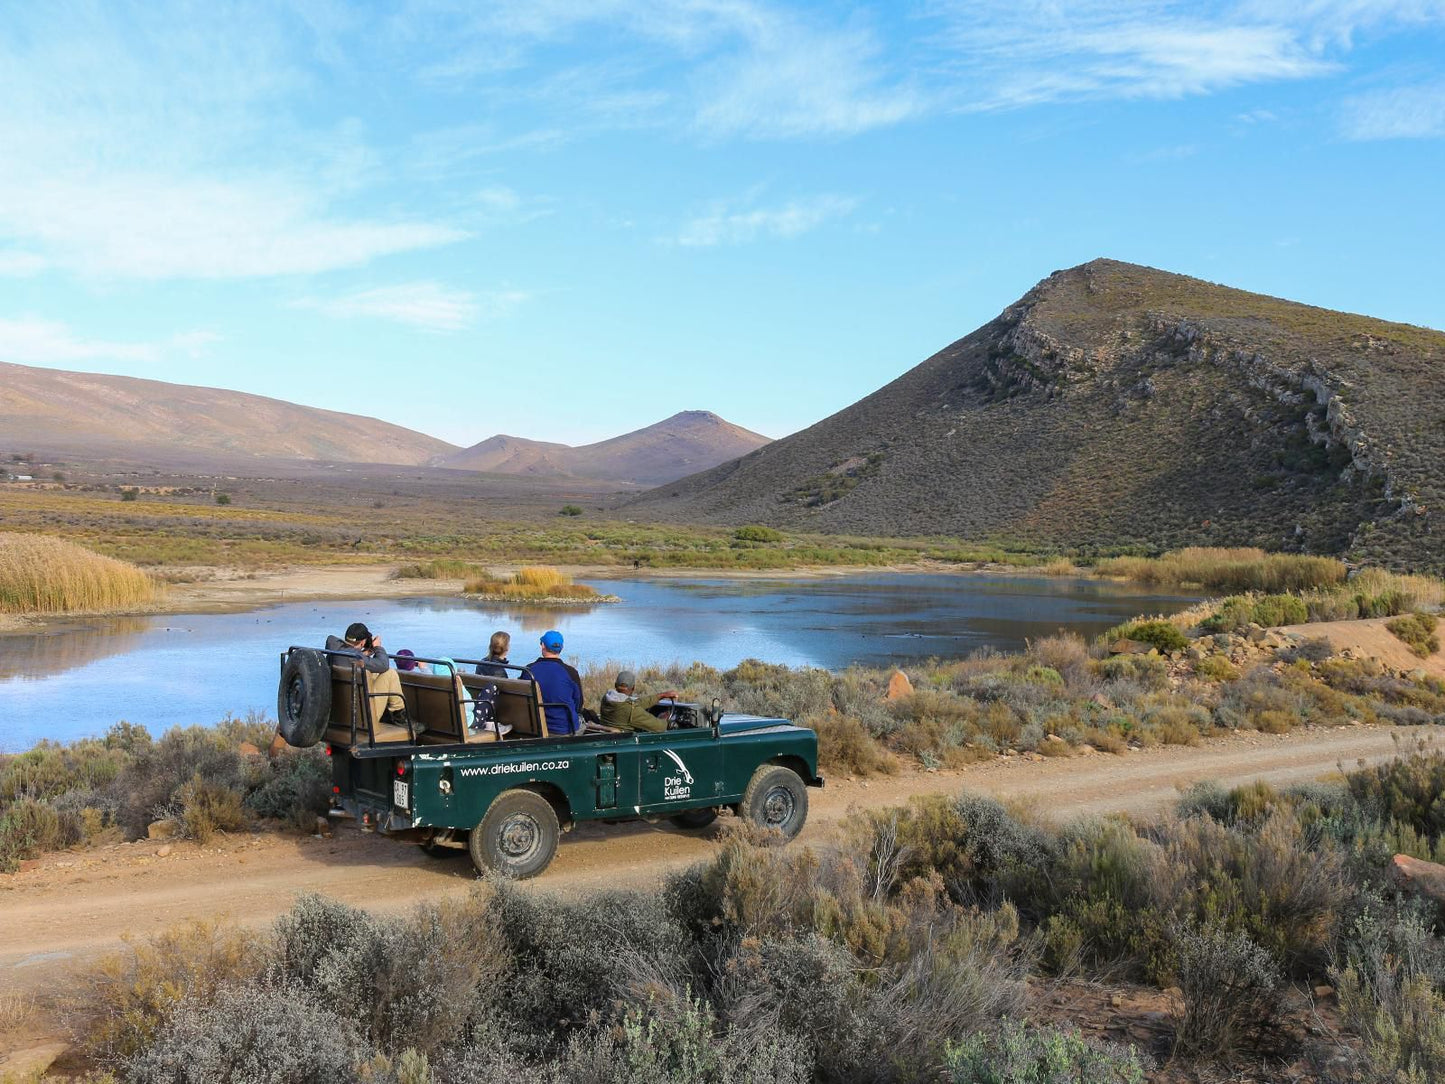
532,582
44,575
1234,570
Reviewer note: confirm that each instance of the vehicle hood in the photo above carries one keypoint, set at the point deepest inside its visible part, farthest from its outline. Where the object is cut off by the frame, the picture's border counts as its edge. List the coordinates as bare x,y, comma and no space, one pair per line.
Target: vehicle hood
738,724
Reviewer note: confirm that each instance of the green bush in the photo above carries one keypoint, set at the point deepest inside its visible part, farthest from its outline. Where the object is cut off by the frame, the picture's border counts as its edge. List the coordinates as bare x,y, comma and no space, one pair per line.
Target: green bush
1417,630
223,498
570,510
1275,610
756,533
1232,613
28,828
1014,1053
1162,635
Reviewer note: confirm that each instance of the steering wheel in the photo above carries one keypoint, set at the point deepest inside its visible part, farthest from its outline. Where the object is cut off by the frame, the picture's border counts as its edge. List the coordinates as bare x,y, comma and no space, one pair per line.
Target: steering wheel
663,710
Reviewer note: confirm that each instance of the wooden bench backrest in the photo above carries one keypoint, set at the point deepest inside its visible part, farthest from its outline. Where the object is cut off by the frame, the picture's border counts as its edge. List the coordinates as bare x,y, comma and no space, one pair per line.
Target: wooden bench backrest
519,703
431,701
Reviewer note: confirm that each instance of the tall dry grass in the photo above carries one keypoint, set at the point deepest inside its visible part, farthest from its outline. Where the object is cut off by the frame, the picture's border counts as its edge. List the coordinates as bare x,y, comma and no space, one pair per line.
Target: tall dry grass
39,574
1231,570
532,582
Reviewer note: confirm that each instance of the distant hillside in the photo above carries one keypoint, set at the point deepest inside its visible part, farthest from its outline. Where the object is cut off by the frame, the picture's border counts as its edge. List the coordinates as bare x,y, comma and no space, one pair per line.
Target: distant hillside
1118,405
83,413
691,441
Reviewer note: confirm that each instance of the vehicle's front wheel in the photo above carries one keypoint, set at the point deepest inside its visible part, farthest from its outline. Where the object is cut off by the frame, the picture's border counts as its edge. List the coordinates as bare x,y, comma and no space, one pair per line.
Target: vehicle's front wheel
776,798
693,819
518,836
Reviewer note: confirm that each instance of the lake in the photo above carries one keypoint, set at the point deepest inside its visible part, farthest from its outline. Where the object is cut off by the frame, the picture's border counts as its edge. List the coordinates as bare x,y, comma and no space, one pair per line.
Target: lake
177,669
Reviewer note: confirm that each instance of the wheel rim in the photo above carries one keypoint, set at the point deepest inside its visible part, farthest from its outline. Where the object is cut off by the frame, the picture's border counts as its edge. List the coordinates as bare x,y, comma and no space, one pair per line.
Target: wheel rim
778,807
519,837
295,695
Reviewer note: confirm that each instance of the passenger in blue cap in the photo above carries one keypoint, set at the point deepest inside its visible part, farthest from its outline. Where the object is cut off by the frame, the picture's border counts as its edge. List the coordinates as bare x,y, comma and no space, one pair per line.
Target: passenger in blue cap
561,686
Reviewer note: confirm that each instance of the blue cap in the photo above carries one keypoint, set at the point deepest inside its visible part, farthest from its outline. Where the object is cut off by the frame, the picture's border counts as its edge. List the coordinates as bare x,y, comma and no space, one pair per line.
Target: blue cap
552,640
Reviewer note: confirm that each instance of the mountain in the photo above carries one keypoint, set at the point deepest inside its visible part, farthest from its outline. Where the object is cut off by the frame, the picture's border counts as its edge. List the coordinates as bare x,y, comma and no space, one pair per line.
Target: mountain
690,441
83,413
1117,405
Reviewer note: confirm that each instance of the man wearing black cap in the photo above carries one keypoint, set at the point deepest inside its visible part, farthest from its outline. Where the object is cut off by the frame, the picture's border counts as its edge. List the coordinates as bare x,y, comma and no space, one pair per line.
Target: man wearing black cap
623,708
561,686
382,682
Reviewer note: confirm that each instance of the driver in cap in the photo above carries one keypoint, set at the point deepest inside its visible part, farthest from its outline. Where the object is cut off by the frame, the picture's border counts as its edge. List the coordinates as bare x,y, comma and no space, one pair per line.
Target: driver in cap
623,708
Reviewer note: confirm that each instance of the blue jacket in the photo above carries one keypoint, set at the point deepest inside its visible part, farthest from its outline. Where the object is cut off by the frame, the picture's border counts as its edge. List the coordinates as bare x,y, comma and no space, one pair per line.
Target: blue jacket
562,688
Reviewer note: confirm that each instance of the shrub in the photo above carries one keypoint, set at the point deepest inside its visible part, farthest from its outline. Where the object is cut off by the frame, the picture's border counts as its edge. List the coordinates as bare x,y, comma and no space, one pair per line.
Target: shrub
129,494
1216,668
28,828
257,1032
123,1002
844,745
1417,630
209,807
152,782
1160,634
295,788
1409,790
1392,991
1232,613
223,498
570,510
1275,610
755,533
1229,988
1014,1053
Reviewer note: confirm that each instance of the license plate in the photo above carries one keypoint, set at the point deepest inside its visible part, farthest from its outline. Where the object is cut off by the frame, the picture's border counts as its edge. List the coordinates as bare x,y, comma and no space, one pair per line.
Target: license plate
399,796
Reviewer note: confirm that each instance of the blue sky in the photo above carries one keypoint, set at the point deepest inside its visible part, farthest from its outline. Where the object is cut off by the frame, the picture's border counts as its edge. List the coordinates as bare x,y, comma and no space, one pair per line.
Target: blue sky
565,219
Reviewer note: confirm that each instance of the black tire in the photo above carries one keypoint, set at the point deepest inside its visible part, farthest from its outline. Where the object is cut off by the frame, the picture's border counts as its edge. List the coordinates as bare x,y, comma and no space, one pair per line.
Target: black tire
776,799
303,700
693,819
518,836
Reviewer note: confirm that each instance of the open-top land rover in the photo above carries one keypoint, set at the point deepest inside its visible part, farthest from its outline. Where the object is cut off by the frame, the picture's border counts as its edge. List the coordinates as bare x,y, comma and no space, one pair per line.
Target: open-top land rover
509,792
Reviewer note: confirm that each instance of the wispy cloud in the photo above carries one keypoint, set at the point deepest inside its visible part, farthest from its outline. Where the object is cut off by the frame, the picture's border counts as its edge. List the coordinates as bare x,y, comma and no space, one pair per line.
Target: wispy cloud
122,133
1413,112
30,341
430,306
728,223
1029,52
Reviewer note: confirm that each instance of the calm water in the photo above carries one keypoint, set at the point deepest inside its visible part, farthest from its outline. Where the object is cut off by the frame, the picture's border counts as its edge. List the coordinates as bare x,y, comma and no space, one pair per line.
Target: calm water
184,669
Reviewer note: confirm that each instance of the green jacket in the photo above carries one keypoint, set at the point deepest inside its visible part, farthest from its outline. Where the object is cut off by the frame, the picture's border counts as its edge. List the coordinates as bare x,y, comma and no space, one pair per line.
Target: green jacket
630,712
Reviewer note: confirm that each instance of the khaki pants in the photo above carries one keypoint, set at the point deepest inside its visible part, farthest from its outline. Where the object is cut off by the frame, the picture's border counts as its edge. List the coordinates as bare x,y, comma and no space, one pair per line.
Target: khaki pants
387,682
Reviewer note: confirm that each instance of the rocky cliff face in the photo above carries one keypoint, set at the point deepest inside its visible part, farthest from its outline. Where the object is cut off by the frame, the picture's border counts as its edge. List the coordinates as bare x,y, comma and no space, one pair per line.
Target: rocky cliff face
1116,405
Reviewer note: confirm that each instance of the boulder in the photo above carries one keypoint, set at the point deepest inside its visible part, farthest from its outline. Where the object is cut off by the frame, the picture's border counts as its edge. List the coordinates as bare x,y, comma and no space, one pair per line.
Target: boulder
1126,646
898,686
164,852
163,829
246,749
1425,878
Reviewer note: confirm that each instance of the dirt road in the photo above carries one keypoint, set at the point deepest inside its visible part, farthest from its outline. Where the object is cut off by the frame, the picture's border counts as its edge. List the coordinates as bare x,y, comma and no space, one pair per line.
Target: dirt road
73,906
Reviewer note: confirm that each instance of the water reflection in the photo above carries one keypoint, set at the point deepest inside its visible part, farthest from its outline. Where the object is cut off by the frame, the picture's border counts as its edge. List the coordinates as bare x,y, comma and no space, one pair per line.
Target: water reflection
34,656
197,668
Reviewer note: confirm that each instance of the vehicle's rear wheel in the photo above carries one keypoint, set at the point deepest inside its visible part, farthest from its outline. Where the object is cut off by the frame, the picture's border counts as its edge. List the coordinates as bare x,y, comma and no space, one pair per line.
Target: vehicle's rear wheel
693,819
303,700
518,836
776,798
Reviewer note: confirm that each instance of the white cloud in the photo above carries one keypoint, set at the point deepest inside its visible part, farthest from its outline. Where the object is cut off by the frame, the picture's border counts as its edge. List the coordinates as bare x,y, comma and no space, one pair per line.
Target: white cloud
142,143
1414,112
30,341
1034,51
430,306
727,224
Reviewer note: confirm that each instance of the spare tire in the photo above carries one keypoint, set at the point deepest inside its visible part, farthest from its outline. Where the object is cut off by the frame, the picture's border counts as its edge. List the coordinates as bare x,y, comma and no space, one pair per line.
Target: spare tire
303,701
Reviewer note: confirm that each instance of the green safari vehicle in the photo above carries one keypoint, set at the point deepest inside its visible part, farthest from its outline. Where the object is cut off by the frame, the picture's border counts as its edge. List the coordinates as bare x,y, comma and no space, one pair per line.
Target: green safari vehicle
508,792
